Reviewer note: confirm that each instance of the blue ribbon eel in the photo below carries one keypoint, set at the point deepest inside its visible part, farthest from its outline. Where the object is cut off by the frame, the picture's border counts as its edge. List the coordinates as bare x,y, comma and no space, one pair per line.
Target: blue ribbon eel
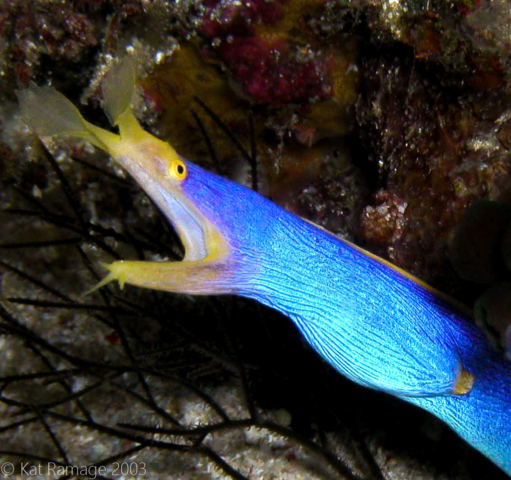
371,321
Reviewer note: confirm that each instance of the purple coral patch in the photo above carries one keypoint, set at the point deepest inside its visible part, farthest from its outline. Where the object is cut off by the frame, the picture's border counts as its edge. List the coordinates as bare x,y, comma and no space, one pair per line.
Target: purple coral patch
271,71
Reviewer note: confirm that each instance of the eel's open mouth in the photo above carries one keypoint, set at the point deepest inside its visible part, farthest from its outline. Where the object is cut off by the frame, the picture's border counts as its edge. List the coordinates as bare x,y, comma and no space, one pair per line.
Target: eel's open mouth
190,225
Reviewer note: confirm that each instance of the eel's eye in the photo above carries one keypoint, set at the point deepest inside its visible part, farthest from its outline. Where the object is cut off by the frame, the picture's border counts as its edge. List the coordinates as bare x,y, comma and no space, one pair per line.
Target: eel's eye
177,170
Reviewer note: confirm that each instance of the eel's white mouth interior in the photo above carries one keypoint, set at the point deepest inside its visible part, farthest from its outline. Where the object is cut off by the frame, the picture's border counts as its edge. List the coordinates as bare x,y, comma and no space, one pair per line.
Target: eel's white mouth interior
190,226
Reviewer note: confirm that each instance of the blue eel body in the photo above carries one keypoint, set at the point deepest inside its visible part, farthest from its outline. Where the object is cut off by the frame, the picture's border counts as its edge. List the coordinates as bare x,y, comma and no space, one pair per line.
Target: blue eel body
370,321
